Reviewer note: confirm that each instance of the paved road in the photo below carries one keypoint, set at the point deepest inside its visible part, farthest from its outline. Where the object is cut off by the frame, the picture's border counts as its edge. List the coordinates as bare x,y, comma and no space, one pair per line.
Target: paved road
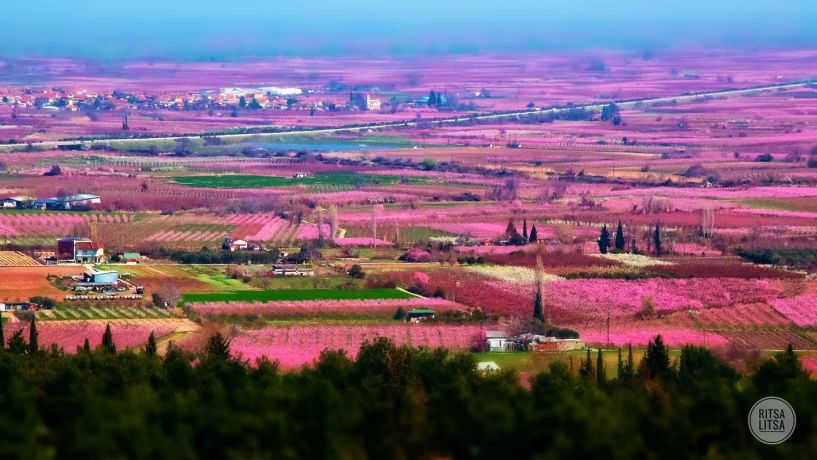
396,124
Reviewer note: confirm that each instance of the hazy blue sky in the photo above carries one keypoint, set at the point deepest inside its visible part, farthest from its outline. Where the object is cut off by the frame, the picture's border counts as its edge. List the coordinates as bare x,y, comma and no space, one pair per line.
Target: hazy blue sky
198,28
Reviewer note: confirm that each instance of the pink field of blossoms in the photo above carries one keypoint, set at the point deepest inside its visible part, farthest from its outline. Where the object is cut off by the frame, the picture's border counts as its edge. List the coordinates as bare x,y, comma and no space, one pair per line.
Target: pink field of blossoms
674,337
69,335
362,241
573,300
300,345
802,310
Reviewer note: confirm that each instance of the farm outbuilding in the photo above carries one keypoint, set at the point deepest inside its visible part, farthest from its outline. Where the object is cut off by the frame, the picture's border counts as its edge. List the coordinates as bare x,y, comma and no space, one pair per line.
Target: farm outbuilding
131,257
101,276
292,270
67,202
419,314
79,250
238,245
17,202
497,340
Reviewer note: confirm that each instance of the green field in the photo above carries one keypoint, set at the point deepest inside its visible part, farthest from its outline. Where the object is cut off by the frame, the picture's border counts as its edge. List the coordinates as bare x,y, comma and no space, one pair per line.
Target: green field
83,313
298,294
338,179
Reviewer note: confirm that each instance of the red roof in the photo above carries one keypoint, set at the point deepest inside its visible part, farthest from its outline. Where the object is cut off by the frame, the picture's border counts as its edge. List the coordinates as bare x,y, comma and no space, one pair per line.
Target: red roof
87,245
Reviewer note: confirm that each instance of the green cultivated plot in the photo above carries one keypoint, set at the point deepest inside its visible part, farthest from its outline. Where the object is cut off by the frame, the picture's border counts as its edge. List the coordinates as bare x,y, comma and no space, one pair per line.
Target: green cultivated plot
340,179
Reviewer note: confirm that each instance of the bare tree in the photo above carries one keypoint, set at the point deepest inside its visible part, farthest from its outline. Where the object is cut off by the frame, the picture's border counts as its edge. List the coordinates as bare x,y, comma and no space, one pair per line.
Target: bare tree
167,295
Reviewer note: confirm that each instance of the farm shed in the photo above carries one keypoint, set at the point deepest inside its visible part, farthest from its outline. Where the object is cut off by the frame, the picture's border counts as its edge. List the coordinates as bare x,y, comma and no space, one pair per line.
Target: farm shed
67,202
238,245
101,276
497,340
20,306
131,257
82,199
554,344
419,314
292,270
18,202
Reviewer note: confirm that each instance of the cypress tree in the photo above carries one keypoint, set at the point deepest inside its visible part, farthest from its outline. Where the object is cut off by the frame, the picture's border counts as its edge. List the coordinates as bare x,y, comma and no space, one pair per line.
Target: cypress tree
619,237
601,376
107,344
620,364
604,240
150,347
33,342
538,308
86,347
630,362
538,300
525,229
657,240
534,235
587,366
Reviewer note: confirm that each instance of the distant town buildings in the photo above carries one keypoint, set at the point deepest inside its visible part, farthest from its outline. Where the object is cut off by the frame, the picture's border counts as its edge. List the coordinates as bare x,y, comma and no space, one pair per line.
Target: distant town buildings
363,101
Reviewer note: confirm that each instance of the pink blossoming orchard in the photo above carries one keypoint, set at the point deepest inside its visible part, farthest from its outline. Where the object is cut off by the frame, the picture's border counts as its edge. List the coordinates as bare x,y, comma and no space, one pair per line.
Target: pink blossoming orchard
592,208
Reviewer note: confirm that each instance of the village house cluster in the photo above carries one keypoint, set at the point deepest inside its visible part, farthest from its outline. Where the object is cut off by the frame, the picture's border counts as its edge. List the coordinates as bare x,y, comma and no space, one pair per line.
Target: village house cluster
262,98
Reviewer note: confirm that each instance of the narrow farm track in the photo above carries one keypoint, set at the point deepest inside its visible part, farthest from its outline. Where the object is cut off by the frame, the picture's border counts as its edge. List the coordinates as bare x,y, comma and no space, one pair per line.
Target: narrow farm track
625,104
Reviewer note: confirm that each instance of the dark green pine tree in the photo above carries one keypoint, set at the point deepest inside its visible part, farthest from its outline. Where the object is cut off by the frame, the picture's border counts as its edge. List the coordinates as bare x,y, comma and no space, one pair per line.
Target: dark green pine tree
107,344
150,347
432,98
601,374
619,242
33,337
534,235
86,347
604,240
655,363
620,367
657,240
525,229
217,348
17,344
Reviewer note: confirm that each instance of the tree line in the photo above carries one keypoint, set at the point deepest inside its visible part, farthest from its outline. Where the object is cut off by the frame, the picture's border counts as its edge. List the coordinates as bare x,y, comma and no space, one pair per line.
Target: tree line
388,402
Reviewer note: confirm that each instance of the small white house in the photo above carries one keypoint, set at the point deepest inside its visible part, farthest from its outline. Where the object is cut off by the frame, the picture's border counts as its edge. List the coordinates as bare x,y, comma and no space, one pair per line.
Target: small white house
497,340
238,245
